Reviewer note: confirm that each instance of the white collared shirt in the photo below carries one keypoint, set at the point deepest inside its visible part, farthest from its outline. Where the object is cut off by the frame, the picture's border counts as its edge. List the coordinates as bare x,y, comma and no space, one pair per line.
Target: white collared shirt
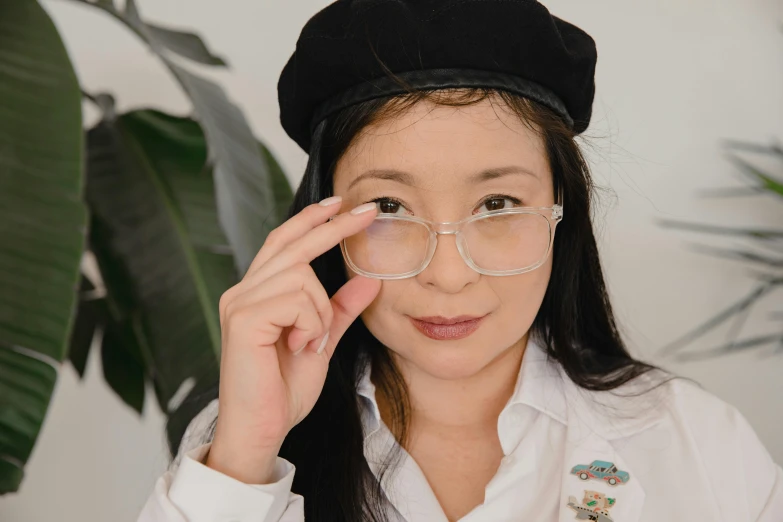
532,436
679,454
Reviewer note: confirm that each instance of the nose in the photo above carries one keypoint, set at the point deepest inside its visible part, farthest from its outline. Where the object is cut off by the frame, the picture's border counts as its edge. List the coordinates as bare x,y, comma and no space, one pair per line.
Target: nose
447,271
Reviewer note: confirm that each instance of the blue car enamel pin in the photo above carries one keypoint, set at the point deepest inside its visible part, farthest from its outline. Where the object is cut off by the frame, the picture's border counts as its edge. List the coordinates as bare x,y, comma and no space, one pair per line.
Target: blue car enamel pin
601,470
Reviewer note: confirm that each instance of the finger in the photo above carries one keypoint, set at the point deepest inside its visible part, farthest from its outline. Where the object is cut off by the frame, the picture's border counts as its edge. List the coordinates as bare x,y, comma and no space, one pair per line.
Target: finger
292,229
348,303
261,324
308,326
320,240
295,278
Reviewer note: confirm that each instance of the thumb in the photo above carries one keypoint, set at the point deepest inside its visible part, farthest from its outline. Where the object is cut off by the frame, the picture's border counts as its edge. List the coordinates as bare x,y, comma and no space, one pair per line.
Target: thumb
348,303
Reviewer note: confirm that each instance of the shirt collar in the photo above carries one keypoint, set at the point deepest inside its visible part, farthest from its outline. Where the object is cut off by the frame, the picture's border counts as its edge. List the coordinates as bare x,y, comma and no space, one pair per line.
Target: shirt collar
371,416
628,409
542,384
538,385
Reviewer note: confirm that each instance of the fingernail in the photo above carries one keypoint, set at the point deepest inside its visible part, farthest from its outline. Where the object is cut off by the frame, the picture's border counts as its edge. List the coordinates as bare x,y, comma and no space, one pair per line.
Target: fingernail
330,201
363,208
323,343
300,349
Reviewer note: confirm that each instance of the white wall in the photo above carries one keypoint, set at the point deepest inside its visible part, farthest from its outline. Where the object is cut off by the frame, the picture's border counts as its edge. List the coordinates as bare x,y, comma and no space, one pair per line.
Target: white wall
674,77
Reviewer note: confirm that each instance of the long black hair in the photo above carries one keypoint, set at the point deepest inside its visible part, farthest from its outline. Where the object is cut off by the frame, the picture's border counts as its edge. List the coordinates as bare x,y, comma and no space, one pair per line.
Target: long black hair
575,324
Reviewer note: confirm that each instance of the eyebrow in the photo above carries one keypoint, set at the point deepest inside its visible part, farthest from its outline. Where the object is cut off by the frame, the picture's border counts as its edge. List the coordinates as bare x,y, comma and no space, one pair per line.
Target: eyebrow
407,179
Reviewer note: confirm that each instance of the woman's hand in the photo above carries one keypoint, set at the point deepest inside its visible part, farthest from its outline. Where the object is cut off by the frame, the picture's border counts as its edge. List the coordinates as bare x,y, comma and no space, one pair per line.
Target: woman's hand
279,330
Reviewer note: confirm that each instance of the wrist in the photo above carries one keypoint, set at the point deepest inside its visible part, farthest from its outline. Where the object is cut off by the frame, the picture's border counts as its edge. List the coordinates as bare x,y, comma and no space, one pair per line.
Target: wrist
256,466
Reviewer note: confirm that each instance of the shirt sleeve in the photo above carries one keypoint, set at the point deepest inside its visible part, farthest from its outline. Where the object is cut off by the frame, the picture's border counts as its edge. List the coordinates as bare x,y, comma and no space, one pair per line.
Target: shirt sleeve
194,492
745,481
762,476
773,509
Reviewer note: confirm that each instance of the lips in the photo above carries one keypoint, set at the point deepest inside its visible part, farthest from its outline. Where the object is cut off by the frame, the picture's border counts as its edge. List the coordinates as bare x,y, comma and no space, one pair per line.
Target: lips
447,328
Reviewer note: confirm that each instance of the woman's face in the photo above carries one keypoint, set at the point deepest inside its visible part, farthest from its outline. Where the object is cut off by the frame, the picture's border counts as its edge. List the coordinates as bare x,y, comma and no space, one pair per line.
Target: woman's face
440,149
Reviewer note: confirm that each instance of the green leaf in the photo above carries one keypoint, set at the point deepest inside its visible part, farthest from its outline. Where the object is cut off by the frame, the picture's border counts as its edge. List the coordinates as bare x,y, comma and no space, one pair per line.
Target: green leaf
244,185
42,230
739,307
741,255
123,366
131,13
773,149
185,44
767,182
91,313
163,256
126,360
731,347
281,187
753,233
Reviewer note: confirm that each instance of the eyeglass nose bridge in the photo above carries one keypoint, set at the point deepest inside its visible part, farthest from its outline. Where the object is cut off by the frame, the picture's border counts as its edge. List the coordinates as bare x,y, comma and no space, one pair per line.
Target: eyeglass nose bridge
446,228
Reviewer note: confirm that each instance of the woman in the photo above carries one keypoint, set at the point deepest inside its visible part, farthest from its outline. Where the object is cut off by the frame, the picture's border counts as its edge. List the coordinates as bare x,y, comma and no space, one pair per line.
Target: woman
485,379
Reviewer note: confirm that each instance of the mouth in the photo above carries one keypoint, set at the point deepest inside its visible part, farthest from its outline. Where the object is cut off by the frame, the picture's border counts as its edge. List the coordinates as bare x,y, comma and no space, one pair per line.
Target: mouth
445,328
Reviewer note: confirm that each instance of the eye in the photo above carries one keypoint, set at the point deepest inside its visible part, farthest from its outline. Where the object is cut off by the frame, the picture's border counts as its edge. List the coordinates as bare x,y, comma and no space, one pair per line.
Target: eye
388,205
498,202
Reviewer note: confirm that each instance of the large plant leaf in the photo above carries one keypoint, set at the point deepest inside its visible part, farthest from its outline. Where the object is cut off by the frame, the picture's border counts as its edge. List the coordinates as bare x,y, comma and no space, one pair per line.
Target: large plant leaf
244,184
185,44
281,188
161,252
90,314
121,356
42,223
124,359
123,365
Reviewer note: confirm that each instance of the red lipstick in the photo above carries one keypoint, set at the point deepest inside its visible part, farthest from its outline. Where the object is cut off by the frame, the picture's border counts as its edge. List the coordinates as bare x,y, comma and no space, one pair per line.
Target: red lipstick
445,328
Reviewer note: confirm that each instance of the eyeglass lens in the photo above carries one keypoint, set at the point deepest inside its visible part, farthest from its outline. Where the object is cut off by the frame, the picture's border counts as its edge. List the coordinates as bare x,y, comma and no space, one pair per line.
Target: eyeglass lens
496,242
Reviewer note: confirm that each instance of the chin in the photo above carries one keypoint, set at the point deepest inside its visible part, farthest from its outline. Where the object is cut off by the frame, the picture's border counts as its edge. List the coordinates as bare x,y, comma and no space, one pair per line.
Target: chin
448,362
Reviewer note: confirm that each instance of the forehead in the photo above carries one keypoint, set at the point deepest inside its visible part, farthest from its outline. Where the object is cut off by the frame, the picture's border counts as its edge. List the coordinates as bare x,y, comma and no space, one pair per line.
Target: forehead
445,143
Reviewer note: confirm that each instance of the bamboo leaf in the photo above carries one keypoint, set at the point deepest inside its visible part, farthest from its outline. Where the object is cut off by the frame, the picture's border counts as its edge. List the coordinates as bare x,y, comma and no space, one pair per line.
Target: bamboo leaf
740,255
730,192
732,347
768,182
773,149
768,234
731,311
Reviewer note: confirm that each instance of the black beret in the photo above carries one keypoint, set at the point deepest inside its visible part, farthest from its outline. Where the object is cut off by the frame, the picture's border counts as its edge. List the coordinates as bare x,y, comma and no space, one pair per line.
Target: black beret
346,51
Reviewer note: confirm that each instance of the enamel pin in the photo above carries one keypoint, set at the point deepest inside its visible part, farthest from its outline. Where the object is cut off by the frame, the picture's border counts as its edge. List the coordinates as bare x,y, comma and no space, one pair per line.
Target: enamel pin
595,506
601,470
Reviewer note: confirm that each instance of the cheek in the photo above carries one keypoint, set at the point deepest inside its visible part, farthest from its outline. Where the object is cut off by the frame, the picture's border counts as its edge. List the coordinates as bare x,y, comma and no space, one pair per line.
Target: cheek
384,310
522,293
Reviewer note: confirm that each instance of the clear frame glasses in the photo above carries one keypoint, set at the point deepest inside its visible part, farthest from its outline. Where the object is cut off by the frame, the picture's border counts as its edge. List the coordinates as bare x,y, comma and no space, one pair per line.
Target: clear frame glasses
498,242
